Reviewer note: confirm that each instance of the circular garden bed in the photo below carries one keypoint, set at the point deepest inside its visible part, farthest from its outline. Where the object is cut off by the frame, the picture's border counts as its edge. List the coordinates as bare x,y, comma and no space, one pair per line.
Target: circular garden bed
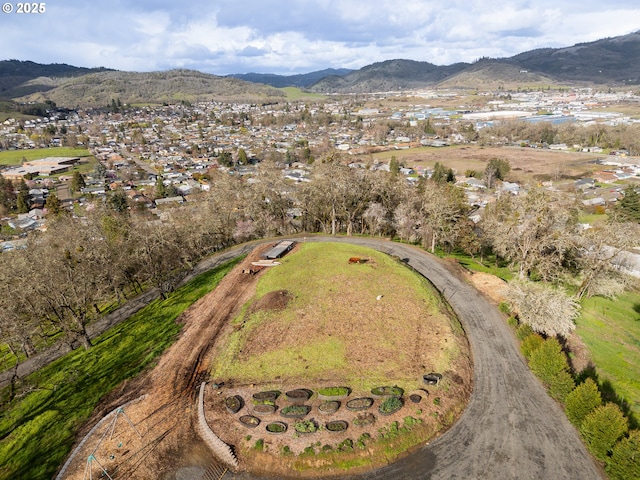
329,406
264,409
382,392
249,421
357,404
432,378
333,393
299,395
306,426
234,404
337,426
267,395
276,428
295,411
390,405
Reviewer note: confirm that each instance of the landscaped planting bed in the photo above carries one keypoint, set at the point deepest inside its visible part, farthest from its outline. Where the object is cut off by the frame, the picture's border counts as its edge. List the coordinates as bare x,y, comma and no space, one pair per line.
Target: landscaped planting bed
329,406
249,421
267,395
295,411
276,428
234,404
333,393
357,404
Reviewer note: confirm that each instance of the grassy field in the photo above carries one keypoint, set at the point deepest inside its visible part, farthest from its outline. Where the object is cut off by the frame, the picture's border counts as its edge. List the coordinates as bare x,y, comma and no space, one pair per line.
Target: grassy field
294,94
39,428
14,157
318,336
611,331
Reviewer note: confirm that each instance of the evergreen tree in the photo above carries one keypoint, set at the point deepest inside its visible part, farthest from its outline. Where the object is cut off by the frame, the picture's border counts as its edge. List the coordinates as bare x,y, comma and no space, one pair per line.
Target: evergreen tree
77,182
624,462
23,202
52,205
394,166
602,428
582,401
629,205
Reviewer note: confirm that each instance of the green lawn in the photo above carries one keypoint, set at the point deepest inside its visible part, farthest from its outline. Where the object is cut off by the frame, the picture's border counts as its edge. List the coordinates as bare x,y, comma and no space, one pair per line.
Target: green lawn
38,429
294,93
331,300
611,331
14,157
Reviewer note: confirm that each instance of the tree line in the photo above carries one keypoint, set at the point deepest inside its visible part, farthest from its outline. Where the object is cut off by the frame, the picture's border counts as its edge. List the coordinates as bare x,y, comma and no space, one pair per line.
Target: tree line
69,274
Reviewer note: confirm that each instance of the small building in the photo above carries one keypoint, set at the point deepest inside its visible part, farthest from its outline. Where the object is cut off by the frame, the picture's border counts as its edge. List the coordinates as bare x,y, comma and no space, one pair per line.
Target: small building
279,250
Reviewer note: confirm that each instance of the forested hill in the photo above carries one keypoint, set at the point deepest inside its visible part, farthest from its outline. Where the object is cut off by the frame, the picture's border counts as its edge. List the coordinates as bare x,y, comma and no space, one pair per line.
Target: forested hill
99,89
19,78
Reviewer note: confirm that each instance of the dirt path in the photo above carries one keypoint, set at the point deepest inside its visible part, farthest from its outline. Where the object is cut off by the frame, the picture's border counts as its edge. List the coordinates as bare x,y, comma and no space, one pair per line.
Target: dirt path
163,420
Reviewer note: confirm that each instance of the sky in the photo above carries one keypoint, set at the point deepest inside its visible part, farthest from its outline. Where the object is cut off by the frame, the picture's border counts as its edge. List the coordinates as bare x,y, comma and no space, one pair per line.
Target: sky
298,36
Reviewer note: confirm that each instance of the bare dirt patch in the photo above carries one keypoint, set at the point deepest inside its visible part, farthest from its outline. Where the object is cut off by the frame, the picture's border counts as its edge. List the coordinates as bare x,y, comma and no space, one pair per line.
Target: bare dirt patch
272,301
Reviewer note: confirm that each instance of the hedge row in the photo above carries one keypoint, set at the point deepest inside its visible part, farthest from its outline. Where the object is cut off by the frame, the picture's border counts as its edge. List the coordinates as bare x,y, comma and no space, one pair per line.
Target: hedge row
603,427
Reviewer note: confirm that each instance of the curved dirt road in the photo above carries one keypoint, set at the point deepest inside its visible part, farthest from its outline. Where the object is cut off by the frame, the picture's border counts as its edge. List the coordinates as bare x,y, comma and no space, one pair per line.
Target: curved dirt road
511,428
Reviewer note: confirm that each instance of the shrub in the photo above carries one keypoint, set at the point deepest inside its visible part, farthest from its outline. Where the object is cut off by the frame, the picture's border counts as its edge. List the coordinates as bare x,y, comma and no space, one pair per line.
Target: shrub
259,445
602,428
345,445
530,344
390,404
305,426
512,321
548,361
582,401
523,331
286,451
561,385
333,391
504,307
624,462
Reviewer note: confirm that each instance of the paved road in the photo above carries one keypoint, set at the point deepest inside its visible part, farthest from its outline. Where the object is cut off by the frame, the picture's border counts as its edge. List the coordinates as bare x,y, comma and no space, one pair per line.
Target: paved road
511,428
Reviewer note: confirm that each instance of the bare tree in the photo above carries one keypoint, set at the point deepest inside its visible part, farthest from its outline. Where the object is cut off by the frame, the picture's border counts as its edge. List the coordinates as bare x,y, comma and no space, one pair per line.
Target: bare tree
533,231
546,309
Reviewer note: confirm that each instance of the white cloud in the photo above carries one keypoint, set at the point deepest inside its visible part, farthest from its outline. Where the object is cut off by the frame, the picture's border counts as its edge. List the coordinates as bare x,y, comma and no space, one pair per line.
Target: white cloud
229,36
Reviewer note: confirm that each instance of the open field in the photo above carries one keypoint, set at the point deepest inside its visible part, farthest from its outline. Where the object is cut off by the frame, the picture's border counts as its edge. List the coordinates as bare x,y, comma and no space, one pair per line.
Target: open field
611,331
38,429
14,157
525,162
317,334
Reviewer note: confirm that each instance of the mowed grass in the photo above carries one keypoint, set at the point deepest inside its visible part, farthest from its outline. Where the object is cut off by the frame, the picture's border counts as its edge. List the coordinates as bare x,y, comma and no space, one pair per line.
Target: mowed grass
38,429
14,157
611,331
334,327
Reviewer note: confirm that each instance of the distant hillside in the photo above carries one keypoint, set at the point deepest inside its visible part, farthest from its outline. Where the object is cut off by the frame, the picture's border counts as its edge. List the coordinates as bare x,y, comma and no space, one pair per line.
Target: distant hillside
19,78
98,89
608,61
492,74
302,80
611,61
387,76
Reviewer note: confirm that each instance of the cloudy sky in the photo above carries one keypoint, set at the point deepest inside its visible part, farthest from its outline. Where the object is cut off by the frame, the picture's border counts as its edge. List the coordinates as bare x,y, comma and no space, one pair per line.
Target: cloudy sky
299,36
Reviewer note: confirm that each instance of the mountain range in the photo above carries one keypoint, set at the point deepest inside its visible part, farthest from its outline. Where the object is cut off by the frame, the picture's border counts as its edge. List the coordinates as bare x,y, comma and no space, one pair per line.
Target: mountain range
610,62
